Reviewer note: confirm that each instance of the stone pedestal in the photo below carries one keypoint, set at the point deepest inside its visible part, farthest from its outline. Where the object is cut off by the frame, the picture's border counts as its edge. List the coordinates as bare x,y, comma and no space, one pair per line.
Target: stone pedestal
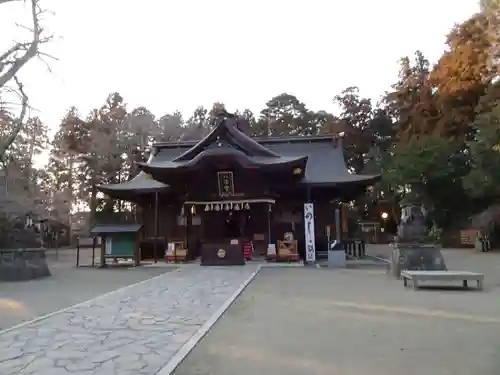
416,257
412,252
23,265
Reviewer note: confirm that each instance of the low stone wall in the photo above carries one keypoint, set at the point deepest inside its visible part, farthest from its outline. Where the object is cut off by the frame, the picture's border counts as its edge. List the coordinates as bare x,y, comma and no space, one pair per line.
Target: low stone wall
23,264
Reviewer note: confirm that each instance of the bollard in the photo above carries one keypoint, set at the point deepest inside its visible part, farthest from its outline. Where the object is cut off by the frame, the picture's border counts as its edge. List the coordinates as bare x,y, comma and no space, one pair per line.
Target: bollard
348,247
94,241
487,244
78,251
362,249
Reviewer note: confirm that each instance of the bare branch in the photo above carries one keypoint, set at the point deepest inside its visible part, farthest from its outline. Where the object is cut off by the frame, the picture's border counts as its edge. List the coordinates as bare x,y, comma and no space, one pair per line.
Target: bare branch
31,47
7,1
14,59
18,122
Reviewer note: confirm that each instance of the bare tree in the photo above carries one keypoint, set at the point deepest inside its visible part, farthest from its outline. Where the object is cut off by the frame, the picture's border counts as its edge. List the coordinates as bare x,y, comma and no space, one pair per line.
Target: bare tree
11,63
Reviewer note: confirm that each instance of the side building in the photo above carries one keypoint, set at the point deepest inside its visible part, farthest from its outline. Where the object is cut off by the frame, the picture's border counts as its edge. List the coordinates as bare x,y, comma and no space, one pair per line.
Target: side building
230,185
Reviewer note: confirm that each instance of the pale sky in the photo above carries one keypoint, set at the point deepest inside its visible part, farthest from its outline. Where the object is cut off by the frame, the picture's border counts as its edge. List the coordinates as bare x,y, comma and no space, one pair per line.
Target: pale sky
169,55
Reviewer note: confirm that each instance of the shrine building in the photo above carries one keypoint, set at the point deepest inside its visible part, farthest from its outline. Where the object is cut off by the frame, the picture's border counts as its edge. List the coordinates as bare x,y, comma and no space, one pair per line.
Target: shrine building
231,190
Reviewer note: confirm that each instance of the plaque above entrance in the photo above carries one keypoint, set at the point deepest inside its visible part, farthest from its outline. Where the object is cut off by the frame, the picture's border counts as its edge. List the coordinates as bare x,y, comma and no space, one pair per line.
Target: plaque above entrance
226,184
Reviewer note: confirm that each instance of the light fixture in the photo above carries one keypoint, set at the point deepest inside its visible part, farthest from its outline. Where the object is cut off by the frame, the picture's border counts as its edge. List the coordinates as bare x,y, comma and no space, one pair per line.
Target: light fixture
226,207
207,207
217,207
193,210
384,215
297,171
236,207
247,206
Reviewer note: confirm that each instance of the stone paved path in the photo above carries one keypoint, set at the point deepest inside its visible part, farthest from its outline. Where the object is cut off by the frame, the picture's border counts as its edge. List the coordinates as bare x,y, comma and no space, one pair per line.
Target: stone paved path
131,331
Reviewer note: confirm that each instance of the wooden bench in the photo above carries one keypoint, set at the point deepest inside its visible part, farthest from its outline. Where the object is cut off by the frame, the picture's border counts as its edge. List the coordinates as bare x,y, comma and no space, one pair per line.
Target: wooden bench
463,276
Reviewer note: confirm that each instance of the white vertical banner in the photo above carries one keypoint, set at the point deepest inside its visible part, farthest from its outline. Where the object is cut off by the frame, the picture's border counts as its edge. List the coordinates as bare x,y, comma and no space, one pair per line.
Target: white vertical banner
309,232
108,245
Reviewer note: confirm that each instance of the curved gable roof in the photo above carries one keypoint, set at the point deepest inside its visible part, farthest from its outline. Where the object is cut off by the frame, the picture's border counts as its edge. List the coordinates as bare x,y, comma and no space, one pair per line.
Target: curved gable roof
228,129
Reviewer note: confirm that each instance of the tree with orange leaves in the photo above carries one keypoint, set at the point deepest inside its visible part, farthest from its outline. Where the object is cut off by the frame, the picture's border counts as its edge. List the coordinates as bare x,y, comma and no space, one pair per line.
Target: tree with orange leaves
463,74
411,101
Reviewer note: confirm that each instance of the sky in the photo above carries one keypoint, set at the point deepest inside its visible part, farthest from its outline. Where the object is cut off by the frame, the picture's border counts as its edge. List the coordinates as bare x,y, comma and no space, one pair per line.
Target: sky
168,55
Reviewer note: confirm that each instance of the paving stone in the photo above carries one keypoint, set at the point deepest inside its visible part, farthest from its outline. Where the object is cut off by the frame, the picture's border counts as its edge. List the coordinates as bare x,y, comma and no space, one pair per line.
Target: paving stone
135,330
35,365
81,366
21,363
10,354
56,371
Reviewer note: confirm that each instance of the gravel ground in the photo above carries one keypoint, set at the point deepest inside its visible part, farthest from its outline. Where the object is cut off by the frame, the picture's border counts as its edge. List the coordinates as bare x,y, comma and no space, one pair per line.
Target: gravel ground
68,285
352,322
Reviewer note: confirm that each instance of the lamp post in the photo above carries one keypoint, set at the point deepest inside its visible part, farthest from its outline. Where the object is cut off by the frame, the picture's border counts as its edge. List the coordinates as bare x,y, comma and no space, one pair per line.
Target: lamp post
384,216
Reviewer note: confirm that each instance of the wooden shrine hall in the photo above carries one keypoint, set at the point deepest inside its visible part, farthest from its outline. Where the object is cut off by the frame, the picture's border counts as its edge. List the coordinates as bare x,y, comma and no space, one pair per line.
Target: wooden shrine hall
231,197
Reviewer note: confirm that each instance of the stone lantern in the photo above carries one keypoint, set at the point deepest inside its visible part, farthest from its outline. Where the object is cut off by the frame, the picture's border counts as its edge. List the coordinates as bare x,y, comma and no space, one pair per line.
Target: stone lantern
412,250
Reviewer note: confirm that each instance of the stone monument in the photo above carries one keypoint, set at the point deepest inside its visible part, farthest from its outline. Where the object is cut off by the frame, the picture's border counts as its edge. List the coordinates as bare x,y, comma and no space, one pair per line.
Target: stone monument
412,250
23,264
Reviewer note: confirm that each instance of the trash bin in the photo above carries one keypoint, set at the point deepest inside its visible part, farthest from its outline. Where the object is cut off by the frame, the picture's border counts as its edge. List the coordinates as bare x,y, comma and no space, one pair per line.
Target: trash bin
336,255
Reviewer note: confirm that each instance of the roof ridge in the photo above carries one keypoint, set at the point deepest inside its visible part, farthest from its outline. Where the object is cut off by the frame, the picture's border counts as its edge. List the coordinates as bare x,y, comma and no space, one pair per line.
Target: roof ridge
260,140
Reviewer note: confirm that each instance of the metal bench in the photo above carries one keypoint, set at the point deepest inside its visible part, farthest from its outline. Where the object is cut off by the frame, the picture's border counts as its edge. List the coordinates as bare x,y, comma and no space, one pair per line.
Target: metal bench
463,276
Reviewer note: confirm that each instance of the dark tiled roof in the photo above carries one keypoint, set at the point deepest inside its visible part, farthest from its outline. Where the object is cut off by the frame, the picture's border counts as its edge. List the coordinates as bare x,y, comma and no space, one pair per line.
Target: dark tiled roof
226,140
115,228
228,129
325,162
140,182
253,160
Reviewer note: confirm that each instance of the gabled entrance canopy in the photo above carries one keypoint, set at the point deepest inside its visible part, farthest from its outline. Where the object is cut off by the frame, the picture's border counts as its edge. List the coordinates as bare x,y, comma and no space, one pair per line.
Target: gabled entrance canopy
225,147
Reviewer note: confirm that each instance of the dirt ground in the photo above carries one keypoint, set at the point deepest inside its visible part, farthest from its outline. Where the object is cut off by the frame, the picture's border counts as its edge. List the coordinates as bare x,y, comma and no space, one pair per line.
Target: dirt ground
353,322
21,301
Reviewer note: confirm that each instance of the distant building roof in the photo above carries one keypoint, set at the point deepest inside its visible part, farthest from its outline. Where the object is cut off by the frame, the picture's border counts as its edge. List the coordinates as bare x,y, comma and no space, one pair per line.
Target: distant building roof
115,228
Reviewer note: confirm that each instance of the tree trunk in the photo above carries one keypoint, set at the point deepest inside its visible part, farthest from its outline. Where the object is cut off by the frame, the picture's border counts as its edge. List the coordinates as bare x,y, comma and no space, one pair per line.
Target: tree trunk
93,204
93,195
71,164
